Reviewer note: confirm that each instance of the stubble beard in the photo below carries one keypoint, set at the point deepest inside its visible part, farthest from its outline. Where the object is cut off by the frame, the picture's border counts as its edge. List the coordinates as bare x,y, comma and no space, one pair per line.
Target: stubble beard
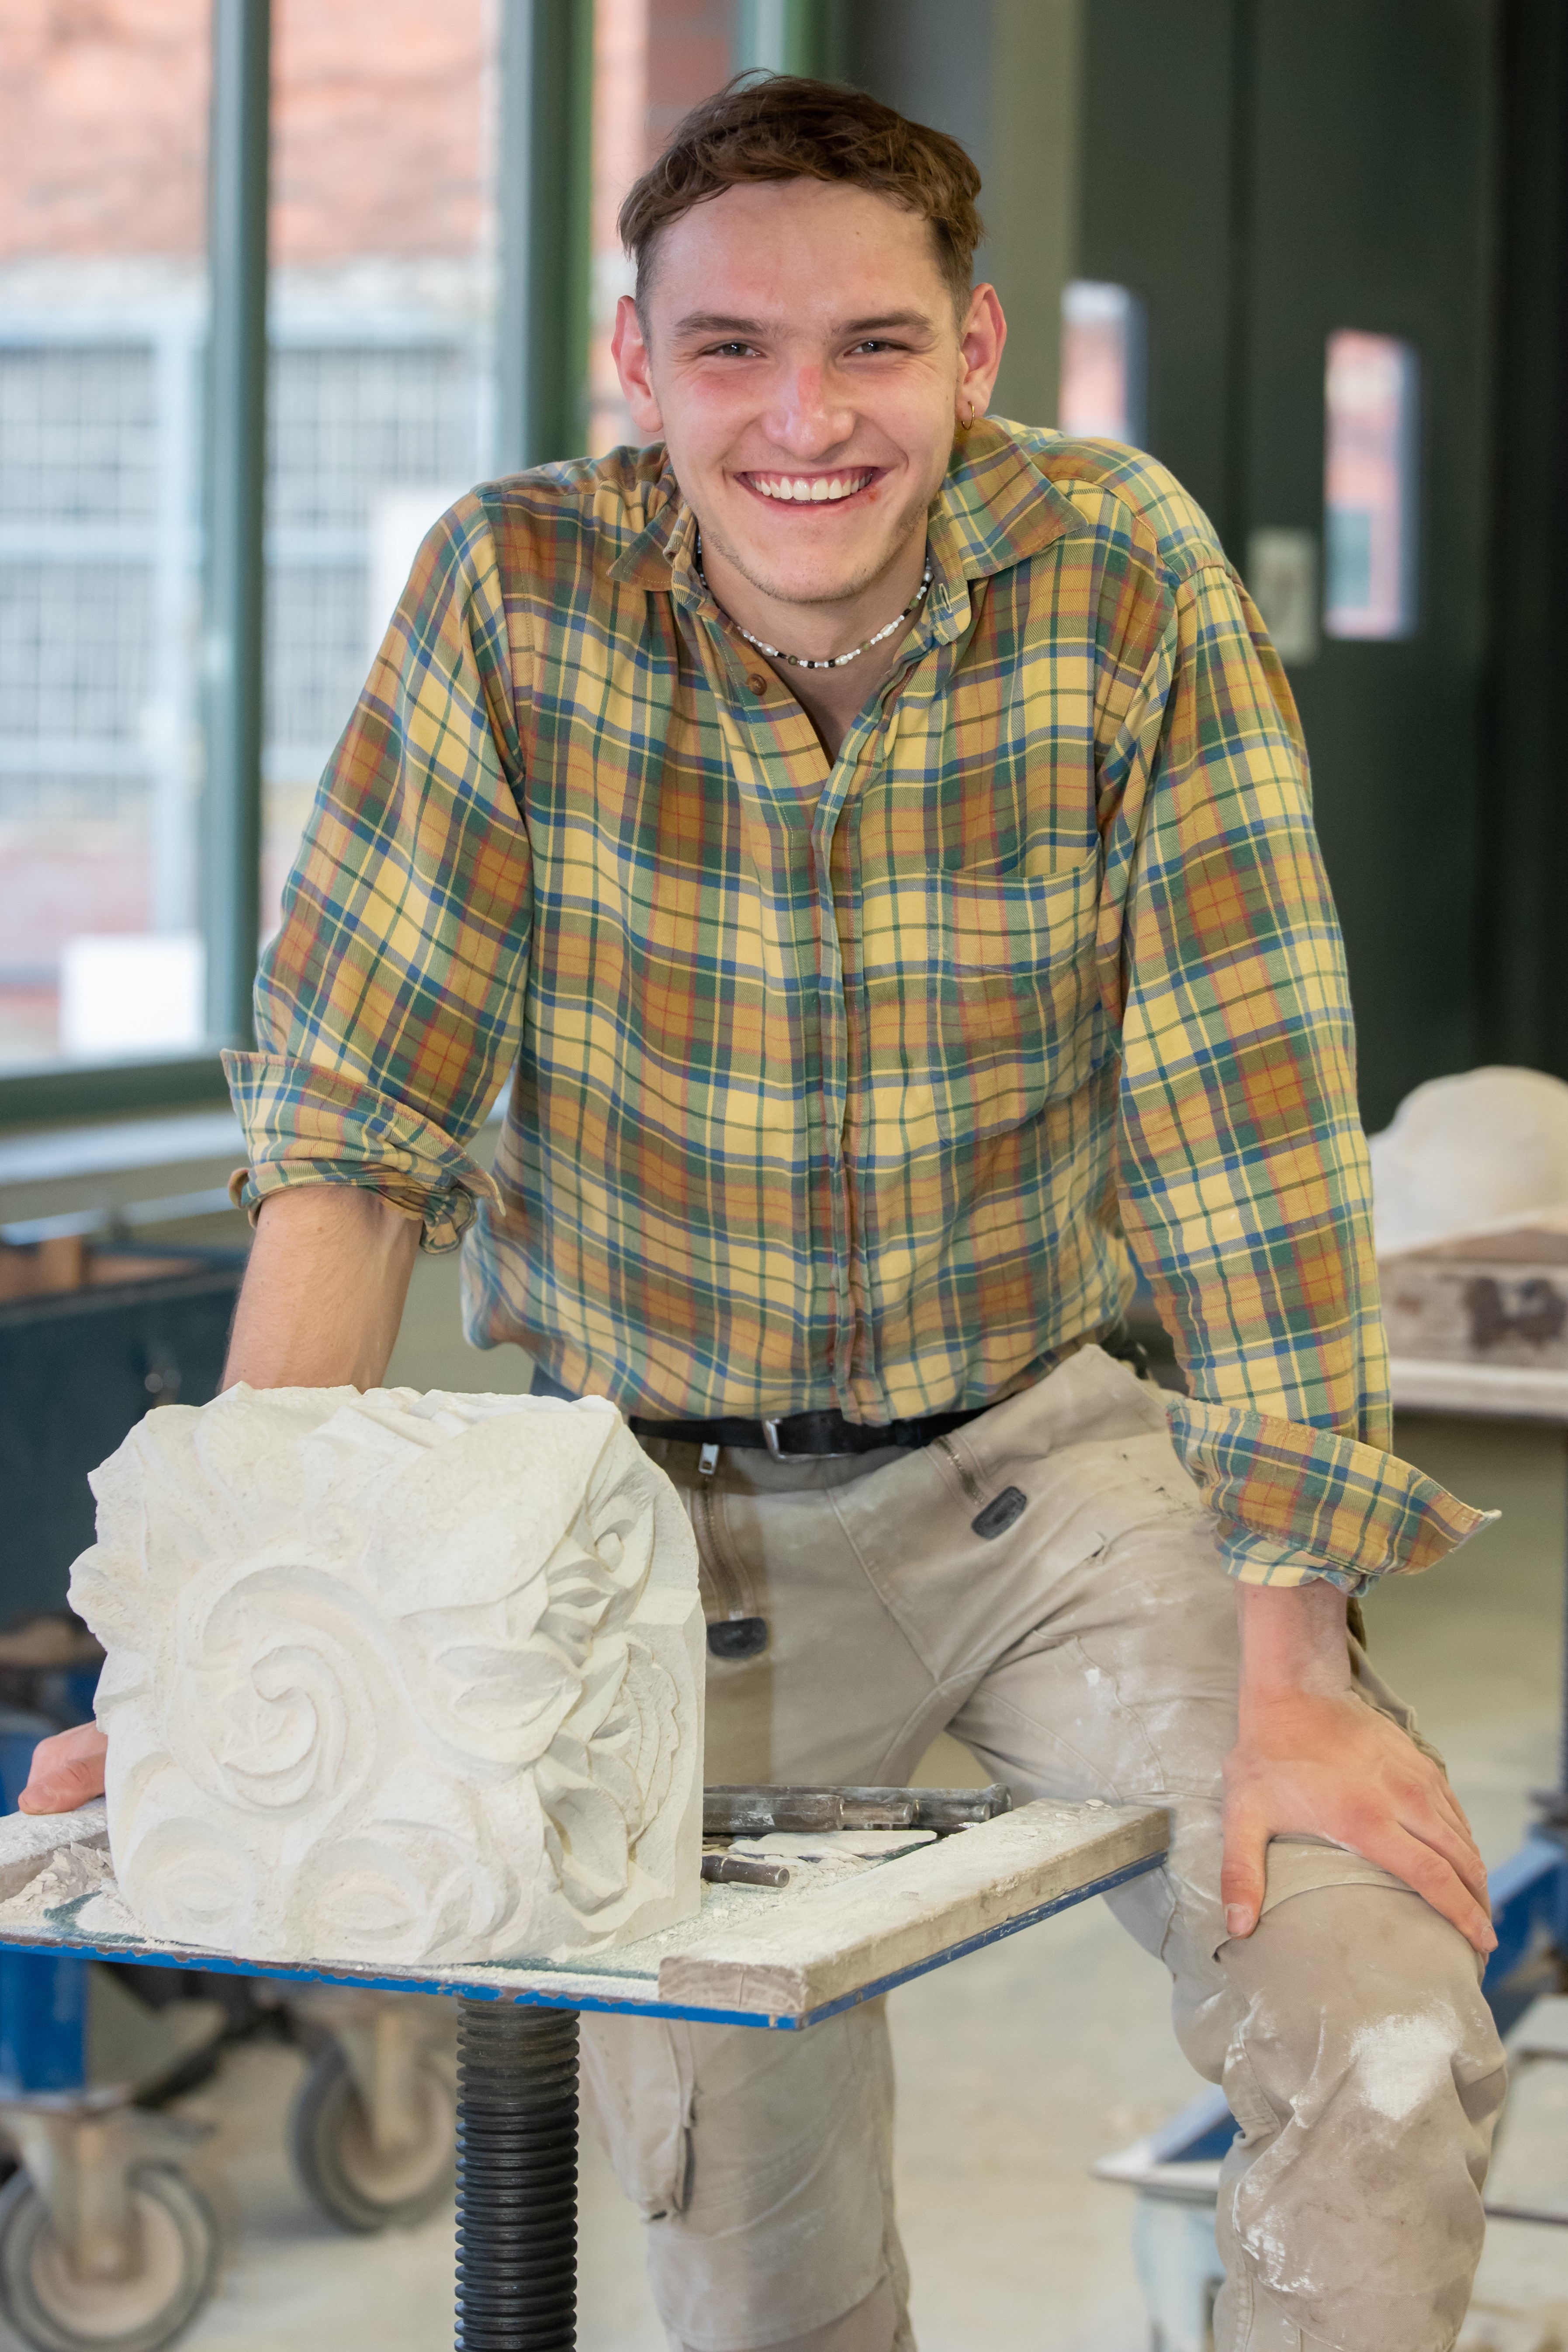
911,519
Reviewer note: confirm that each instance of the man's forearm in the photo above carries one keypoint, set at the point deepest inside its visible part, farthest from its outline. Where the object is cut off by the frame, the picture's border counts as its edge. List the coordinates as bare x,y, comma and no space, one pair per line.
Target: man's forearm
1292,1640
325,1291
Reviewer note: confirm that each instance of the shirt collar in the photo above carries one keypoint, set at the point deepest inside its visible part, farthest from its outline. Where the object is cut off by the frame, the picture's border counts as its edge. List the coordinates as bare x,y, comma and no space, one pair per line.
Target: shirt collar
995,509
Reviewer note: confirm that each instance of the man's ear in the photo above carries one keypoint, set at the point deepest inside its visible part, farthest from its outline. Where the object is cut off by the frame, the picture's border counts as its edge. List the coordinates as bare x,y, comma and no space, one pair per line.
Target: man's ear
981,342
630,353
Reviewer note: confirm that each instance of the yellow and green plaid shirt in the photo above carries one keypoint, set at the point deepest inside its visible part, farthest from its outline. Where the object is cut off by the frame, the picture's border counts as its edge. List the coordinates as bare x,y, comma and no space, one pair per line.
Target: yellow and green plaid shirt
853,1084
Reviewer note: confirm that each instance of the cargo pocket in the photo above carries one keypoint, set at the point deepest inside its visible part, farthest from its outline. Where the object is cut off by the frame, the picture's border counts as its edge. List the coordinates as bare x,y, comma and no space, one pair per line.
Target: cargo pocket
1021,1020
639,2083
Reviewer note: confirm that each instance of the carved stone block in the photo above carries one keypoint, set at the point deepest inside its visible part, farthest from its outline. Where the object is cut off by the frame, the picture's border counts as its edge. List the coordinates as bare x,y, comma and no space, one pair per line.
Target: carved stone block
397,1677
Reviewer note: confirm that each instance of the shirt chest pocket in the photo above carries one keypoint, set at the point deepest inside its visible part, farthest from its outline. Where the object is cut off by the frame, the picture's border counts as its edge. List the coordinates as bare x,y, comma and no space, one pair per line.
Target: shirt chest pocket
1017,1011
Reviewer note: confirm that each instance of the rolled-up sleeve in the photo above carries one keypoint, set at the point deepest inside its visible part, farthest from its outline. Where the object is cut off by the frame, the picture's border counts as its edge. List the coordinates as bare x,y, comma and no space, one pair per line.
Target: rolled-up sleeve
388,1006
1243,1179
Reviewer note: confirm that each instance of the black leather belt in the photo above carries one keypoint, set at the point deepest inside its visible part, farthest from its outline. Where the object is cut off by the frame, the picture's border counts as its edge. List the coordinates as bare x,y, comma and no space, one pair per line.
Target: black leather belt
791,1434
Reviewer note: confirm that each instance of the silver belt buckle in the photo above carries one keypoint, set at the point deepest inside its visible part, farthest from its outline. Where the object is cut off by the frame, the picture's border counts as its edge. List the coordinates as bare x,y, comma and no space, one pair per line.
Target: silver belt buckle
771,1439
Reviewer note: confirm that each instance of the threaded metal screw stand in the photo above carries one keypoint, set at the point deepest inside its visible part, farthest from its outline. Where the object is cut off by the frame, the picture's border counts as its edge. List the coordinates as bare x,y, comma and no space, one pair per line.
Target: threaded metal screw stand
517,2177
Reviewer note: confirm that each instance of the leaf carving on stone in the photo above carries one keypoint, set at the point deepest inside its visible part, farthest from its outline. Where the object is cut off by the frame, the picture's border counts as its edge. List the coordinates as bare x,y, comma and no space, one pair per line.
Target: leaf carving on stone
396,1678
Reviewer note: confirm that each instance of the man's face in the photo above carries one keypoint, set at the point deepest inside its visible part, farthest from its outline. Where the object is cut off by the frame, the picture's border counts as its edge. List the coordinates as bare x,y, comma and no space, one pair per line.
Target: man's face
805,368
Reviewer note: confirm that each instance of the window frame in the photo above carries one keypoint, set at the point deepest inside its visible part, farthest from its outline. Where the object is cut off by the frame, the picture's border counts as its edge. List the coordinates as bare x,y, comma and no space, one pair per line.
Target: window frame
543,97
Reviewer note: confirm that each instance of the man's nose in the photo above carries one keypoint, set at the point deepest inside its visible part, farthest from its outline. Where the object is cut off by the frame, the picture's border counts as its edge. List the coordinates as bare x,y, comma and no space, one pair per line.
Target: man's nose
809,416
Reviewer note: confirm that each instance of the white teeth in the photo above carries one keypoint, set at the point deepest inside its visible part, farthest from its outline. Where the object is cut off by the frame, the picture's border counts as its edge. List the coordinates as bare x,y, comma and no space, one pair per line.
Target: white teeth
797,487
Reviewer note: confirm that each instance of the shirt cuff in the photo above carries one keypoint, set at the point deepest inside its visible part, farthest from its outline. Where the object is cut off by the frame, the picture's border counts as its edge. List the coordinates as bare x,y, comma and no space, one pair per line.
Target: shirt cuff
308,1126
1292,1503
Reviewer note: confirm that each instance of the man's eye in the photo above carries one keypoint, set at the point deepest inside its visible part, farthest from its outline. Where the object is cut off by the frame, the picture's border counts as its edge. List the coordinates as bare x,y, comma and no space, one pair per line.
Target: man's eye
734,351
873,343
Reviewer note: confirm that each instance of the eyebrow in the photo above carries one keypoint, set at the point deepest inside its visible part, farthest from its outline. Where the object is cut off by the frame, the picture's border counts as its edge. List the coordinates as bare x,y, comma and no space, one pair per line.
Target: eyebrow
714,322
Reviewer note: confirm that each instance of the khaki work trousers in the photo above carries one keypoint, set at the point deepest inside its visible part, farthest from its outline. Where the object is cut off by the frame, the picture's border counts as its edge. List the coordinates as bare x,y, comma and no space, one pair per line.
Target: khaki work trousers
1089,1649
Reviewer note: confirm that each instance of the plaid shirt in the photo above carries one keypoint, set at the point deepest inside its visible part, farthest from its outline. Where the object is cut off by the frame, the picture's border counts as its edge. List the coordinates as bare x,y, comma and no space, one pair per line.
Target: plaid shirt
853,1084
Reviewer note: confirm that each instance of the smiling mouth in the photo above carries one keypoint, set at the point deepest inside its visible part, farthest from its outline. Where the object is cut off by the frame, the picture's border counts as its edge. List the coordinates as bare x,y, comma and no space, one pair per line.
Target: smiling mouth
811,489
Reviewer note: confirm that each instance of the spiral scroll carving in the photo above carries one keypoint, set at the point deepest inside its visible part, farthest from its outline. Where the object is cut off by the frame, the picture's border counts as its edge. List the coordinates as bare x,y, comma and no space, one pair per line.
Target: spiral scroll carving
396,1678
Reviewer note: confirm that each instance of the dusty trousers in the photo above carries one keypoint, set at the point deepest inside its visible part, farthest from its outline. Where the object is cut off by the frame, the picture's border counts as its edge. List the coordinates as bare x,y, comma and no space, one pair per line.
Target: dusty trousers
1088,1650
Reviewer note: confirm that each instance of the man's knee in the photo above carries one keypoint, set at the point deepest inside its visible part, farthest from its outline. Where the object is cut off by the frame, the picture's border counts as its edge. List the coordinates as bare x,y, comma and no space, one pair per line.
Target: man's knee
1367,1988
1365,2074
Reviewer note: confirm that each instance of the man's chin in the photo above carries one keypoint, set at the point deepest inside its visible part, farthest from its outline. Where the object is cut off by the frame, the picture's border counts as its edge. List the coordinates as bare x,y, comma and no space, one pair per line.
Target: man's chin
817,576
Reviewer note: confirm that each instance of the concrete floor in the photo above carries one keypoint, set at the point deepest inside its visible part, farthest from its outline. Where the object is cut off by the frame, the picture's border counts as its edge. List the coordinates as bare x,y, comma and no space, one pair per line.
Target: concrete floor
1017,2066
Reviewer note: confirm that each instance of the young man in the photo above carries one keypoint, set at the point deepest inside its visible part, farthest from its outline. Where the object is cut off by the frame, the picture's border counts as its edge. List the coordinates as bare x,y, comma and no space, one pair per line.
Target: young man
877,837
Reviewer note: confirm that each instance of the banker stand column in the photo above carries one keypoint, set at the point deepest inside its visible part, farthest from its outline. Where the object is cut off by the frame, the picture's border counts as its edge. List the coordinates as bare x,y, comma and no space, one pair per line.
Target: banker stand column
517,2177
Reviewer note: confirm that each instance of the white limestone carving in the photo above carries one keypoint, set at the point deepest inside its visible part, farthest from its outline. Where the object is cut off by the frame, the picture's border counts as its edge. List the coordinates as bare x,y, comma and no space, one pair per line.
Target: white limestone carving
396,1677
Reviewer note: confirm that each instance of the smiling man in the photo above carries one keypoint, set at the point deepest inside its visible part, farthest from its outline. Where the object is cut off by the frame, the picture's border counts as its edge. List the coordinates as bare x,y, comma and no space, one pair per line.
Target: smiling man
876,838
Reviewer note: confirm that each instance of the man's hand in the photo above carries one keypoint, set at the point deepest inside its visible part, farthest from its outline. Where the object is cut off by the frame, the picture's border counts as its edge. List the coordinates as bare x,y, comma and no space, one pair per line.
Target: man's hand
67,1771
1311,1756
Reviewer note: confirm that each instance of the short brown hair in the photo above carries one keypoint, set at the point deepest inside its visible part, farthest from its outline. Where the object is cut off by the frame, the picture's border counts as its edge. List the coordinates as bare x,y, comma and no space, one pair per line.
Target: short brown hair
784,127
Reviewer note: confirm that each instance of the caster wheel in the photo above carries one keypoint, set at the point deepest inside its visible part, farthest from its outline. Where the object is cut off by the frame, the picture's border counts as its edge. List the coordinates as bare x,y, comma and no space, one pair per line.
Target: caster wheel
357,2184
50,2307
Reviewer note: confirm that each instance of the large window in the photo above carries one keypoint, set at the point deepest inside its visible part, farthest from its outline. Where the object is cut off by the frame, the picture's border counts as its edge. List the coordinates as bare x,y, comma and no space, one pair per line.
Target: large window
653,59
102,208
380,410
441,278
382,249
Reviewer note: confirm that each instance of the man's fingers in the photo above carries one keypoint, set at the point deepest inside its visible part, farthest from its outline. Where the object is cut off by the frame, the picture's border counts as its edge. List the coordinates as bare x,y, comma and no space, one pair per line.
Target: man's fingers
1460,1852
1435,1826
66,1770
1423,1868
1449,1806
1242,1875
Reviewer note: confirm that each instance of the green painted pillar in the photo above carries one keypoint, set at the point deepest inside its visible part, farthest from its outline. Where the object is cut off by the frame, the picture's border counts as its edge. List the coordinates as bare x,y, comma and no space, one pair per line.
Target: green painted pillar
235,477
544,160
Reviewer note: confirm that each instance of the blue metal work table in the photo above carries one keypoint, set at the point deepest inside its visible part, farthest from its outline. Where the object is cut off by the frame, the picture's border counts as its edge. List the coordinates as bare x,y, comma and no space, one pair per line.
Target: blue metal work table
779,1960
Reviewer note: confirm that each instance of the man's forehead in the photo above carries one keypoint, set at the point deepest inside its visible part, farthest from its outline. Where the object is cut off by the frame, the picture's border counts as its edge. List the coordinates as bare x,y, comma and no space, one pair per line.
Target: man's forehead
767,253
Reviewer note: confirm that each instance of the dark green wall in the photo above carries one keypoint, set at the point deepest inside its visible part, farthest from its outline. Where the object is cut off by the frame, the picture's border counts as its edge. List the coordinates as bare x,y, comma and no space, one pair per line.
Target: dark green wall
1523,784
1262,172
1158,214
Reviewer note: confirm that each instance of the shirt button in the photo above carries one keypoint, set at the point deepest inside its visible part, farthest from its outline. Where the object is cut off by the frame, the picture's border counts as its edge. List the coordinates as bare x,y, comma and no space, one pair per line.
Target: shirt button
757,682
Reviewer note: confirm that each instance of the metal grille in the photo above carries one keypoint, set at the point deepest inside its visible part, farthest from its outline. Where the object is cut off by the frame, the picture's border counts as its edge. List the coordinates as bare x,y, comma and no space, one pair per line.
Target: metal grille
315,651
101,597
78,434
75,644
346,423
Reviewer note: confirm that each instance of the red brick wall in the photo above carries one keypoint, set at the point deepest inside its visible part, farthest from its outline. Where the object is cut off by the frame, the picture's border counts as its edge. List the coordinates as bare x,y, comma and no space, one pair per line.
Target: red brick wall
103,126
688,56
381,128
381,140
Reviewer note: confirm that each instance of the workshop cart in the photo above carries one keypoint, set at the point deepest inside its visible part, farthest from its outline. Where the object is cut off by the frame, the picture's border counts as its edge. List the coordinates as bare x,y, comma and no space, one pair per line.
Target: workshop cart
95,2173
373,2128
779,1959
90,1335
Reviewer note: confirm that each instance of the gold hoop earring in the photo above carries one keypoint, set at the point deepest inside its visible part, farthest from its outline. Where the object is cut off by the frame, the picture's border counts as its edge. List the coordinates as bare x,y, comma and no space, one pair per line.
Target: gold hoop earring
967,422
